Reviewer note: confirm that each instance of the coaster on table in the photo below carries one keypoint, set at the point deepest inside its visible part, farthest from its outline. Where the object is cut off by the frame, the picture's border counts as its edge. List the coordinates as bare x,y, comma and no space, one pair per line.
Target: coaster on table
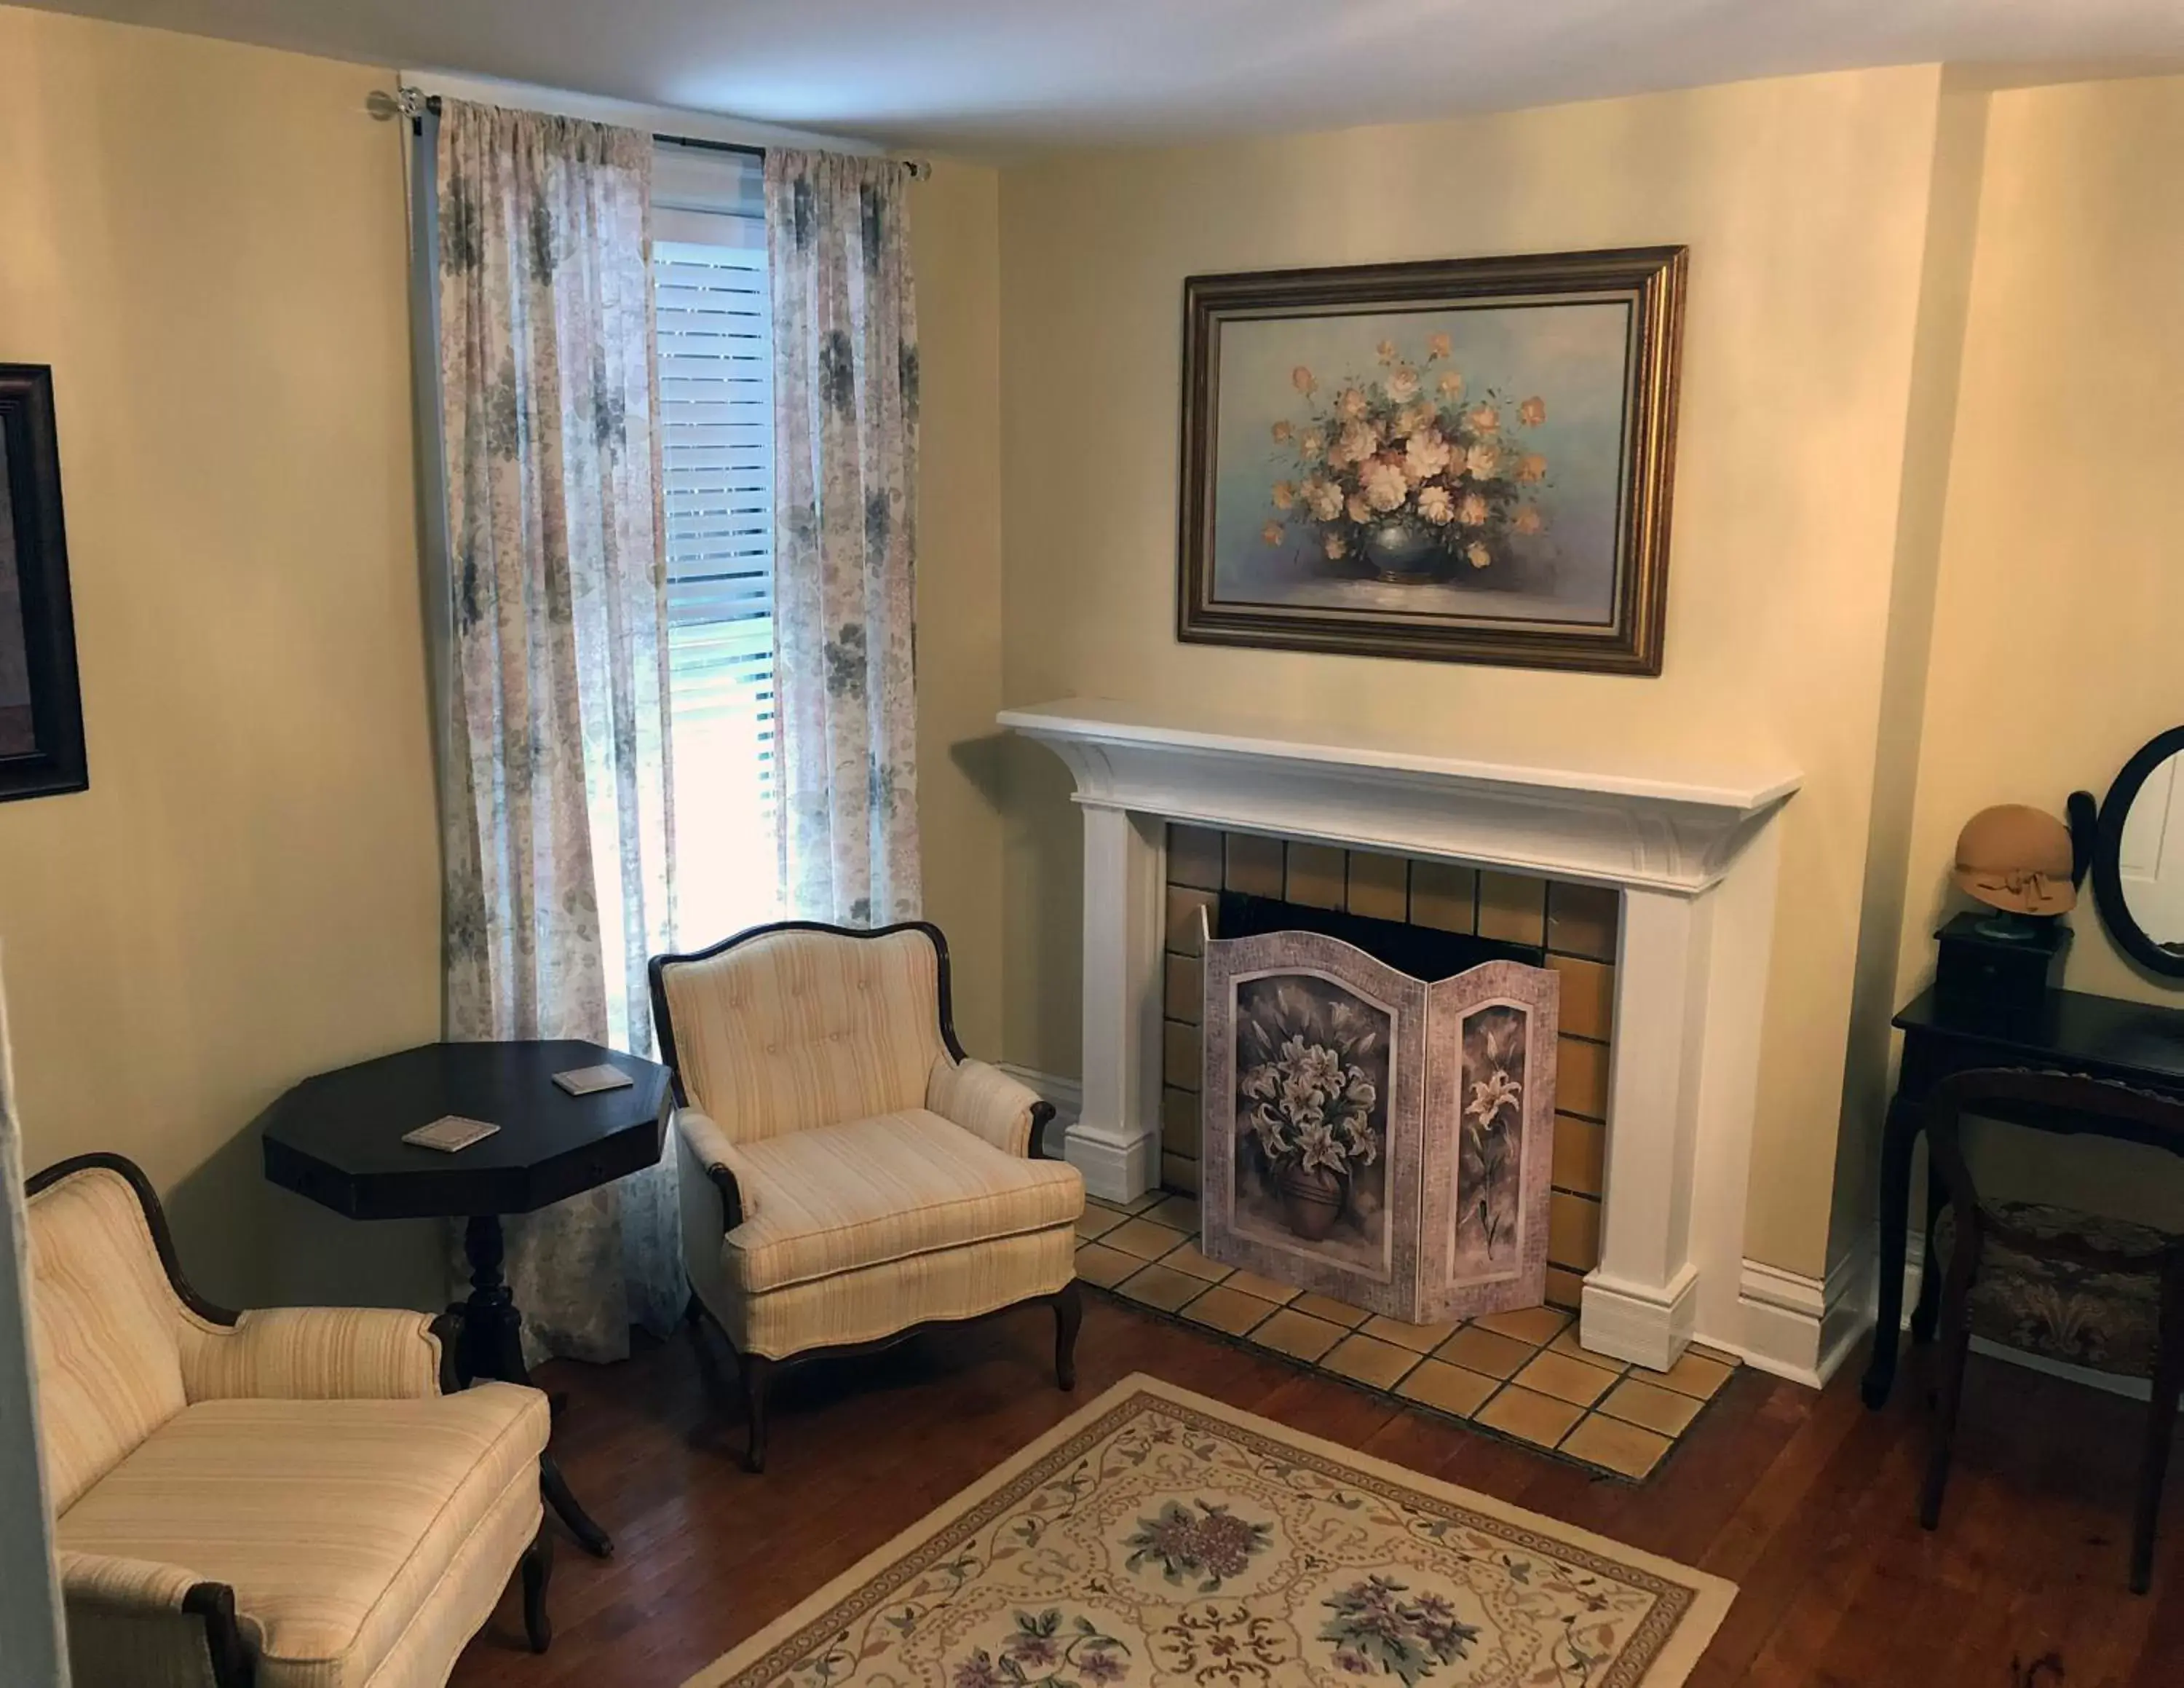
589,1080
450,1132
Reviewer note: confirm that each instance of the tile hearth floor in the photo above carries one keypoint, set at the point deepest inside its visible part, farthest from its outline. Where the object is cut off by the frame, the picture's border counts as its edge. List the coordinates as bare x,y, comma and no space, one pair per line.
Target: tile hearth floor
1521,1374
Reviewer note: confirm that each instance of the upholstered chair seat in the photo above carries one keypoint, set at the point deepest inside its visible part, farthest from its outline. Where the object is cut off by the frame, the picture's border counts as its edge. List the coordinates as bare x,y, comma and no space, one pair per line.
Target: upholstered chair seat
283,1499
2106,1317
849,1174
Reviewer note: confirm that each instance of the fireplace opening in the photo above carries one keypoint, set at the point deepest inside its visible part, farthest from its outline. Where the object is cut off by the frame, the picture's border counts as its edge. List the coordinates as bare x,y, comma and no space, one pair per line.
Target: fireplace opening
1425,953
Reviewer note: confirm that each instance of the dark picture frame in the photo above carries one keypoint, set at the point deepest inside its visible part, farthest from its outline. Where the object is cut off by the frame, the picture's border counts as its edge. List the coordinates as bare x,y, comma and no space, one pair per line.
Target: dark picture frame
42,744
1369,605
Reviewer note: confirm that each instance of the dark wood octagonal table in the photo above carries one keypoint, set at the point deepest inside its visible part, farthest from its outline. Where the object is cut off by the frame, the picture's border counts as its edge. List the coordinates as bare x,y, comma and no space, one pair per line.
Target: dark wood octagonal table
336,1138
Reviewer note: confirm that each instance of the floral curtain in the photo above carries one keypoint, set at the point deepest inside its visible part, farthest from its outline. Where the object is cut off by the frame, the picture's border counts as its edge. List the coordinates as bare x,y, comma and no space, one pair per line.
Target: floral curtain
555,757
845,445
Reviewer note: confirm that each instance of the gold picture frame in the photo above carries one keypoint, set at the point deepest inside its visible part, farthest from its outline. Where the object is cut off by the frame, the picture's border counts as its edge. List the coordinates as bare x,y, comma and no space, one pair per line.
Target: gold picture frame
1467,459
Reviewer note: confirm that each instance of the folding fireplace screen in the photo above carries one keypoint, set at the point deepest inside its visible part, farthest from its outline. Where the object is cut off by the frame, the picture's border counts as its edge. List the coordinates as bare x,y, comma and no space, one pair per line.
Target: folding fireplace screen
1374,1136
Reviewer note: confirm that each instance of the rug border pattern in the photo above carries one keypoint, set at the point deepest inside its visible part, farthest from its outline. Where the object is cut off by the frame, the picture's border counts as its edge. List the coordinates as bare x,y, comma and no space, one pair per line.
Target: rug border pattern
794,1635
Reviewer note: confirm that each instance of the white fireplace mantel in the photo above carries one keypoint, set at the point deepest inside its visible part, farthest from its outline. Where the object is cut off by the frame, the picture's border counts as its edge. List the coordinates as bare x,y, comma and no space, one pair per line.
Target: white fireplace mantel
1692,853
1660,828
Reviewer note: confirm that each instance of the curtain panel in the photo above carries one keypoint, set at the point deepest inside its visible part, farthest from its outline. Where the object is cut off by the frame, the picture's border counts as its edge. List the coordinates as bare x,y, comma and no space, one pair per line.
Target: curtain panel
556,776
845,527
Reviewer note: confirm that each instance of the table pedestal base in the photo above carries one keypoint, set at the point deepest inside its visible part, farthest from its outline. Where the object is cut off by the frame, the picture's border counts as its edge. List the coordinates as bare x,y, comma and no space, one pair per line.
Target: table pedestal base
492,1346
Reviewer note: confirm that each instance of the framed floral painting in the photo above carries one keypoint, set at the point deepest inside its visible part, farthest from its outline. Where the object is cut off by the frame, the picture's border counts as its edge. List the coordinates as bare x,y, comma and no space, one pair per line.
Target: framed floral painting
1463,460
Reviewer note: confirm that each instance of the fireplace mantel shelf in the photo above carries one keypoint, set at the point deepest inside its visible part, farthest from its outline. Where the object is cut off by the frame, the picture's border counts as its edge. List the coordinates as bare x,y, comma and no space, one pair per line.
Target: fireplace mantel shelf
1662,828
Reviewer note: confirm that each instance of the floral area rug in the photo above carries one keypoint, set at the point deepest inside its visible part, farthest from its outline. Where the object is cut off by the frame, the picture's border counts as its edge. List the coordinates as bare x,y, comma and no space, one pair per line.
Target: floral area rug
1157,1539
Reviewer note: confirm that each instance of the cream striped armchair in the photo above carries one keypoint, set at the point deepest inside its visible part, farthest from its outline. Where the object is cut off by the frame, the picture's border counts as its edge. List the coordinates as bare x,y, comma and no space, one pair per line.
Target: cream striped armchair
288,1499
849,1175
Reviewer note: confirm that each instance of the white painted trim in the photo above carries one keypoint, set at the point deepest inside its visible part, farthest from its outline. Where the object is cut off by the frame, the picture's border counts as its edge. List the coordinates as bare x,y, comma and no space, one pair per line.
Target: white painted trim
653,120
1648,1324
1800,1327
1116,1141
1666,830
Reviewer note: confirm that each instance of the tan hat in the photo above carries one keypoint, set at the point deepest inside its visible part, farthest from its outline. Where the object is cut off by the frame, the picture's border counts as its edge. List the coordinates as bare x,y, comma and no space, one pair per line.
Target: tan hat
2016,857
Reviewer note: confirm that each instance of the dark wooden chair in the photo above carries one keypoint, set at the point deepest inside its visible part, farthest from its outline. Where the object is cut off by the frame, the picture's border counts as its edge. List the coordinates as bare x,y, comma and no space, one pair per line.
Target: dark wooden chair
2095,1292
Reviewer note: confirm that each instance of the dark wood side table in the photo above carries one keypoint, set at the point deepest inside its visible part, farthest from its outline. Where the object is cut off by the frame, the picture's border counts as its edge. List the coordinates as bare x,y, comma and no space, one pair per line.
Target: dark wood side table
2140,1044
337,1138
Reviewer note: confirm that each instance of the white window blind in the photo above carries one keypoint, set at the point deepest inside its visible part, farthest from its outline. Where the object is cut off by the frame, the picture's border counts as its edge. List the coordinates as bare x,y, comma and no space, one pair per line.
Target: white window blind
717,428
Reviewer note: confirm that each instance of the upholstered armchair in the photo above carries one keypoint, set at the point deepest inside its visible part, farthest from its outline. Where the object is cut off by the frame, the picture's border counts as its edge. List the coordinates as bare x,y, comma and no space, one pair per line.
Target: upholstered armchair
289,1499
849,1175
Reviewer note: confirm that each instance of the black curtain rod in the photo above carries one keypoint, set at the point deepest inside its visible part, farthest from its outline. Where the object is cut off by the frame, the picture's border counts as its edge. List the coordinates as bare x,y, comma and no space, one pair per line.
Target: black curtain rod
917,167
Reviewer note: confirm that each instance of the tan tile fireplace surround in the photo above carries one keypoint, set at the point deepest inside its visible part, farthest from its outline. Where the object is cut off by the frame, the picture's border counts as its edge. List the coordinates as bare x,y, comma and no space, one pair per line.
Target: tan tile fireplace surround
1652,890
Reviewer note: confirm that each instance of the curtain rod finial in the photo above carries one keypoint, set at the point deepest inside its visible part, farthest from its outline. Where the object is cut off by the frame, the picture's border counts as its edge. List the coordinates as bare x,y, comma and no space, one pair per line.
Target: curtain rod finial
404,102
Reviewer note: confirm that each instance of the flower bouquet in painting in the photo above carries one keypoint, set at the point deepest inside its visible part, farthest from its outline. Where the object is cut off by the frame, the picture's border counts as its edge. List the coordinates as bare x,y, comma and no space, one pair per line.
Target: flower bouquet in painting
1313,1105
1374,1136
1404,473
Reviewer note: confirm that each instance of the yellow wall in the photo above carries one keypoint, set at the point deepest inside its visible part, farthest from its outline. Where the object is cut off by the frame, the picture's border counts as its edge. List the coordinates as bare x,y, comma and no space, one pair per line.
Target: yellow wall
1805,203
2059,642
1929,448
204,241
955,237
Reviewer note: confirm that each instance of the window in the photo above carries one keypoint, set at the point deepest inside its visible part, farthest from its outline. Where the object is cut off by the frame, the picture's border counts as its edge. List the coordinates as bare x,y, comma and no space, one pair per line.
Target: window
709,268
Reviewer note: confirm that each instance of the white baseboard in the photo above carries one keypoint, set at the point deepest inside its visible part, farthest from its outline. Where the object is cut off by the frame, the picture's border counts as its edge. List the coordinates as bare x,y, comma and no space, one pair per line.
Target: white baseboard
1800,1327
1638,1322
1115,1169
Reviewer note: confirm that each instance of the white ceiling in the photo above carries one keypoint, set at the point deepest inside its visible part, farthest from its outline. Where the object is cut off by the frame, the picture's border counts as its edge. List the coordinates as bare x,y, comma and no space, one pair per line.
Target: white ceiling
1003,76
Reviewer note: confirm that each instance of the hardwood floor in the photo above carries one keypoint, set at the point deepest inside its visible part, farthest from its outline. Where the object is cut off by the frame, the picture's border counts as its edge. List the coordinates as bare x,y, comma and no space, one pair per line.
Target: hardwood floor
1804,1499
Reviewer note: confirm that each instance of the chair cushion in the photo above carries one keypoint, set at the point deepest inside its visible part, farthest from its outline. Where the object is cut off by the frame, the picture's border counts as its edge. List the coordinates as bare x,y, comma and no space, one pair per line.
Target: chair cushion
333,1521
798,1028
2106,1319
838,1197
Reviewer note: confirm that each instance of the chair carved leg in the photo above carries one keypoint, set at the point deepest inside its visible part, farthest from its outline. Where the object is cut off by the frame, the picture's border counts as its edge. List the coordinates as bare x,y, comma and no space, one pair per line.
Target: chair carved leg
555,1487
1955,1349
537,1567
1068,1316
758,1383
2160,1426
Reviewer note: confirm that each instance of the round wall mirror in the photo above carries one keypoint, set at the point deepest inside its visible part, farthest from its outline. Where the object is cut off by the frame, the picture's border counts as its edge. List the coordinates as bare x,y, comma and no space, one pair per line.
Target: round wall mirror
2138,862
